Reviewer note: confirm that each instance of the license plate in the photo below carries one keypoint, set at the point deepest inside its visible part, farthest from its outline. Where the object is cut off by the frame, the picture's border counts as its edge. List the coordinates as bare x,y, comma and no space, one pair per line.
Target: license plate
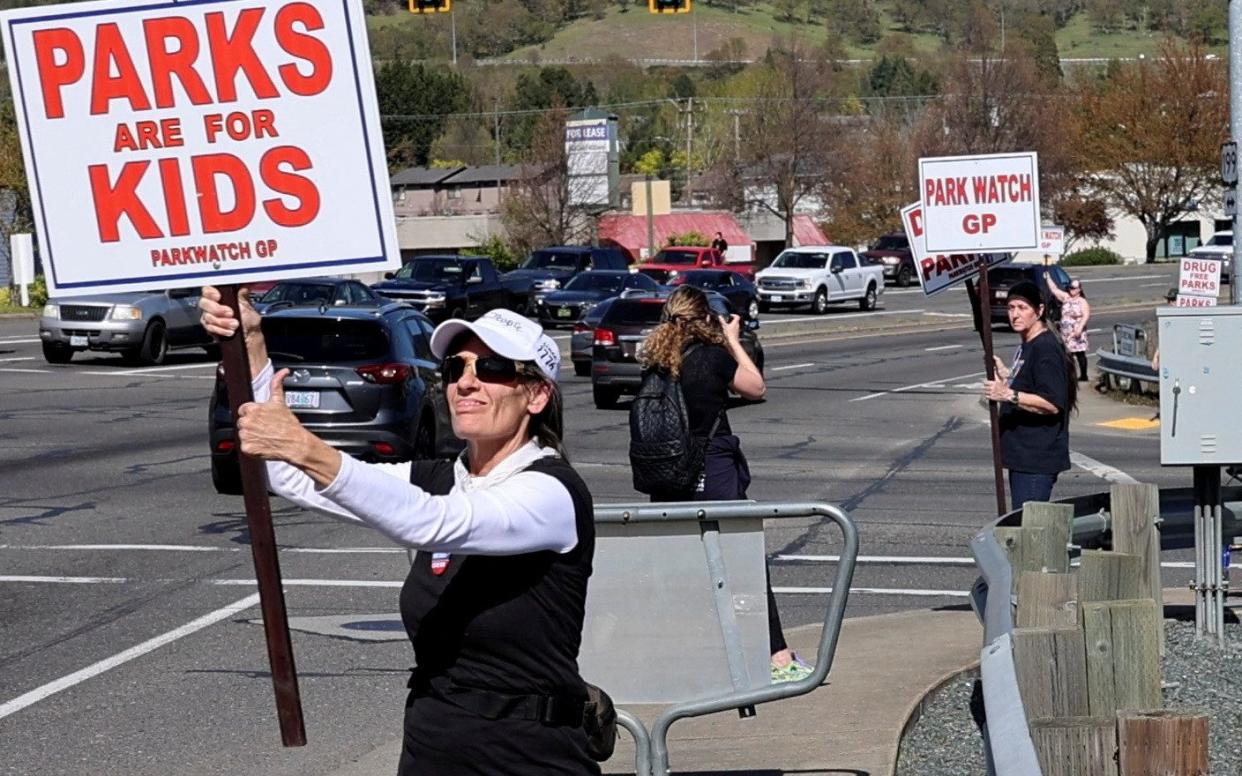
302,400
77,342
564,312
776,297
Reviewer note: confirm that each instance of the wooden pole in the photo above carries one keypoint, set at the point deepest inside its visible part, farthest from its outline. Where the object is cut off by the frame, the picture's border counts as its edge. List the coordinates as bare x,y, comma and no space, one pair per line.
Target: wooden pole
1135,511
989,368
1110,576
1076,746
1051,666
1162,743
1057,520
1025,549
1047,601
1123,655
263,543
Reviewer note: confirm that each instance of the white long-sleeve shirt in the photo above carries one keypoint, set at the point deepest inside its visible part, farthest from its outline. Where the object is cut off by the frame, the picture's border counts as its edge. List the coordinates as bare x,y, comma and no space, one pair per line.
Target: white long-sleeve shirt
505,512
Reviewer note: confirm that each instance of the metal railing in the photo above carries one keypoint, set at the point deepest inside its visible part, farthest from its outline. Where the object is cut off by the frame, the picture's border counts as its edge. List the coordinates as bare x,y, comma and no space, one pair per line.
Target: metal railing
651,748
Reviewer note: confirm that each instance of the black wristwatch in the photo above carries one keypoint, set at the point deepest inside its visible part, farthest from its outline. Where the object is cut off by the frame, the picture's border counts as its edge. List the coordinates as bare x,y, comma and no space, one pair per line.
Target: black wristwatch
1013,398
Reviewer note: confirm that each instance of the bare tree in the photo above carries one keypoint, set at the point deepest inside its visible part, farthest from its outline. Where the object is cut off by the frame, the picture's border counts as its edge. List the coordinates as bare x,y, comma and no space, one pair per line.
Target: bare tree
1149,136
876,179
540,209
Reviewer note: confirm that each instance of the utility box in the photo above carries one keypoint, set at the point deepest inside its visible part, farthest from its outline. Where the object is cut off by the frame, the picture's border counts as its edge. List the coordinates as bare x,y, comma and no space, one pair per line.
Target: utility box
1200,378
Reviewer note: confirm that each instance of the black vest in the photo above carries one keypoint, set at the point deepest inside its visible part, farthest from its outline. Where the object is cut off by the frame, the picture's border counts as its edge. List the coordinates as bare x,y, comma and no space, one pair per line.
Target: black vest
507,623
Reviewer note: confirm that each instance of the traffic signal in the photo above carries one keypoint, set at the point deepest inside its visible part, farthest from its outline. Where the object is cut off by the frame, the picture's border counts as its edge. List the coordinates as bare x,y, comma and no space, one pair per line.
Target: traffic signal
431,6
665,6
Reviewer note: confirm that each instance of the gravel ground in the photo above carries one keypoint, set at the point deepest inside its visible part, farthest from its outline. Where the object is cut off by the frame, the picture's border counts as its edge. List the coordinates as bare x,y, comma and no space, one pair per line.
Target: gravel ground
1199,676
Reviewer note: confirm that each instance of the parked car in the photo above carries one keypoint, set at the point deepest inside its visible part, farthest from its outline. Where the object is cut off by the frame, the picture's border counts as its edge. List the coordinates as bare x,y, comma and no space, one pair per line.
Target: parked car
1001,279
142,326
550,269
568,305
734,286
892,251
1219,247
818,276
445,287
670,262
364,380
314,292
618,337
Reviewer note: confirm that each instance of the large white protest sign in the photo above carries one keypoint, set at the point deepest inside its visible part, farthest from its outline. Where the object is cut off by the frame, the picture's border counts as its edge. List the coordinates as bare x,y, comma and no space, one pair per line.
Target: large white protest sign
1198,282
173,144
980,204
1052,240
939,271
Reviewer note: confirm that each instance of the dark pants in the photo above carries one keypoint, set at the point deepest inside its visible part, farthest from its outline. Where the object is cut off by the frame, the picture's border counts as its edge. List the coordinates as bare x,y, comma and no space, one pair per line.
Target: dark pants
726,476
1081,358
1030,486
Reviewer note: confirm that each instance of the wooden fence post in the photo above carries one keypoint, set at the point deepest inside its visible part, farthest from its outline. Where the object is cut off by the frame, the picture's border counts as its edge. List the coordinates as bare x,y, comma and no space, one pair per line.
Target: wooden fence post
1025,548
1110,576
1076,746
1123,655
1047,600
1057,520
1135,509
1051,667
1162,743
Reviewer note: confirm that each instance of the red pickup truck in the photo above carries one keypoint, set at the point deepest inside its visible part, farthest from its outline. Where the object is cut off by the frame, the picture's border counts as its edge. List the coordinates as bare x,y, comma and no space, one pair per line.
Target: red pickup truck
670,262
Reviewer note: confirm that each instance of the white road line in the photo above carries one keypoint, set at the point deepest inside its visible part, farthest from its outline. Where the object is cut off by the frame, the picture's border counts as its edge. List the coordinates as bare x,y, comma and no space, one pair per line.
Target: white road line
791,366
65,682
177,368
1122,278
875,591
941,347
1152,285
933,560
10,360
829,318
904,388
26,371
315,582
1101,470
142,374
66,580
19,341
948,315
199,548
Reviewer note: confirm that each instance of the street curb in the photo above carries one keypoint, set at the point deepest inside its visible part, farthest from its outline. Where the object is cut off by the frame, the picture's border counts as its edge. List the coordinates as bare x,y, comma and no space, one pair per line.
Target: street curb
918,707
17,316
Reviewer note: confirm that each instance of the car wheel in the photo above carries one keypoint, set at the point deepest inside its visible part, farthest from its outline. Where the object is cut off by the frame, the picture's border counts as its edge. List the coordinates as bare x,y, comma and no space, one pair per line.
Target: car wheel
820,305
425,438
869,299
57,354
605,398
752,310
226,476
904,277
154,345
582,368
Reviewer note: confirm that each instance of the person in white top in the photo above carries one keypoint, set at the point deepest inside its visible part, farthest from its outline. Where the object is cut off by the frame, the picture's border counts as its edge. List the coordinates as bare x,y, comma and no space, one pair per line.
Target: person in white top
495,599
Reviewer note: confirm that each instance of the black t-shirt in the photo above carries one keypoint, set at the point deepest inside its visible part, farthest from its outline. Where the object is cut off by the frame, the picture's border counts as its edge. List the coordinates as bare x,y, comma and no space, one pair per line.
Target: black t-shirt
1031,442
706,372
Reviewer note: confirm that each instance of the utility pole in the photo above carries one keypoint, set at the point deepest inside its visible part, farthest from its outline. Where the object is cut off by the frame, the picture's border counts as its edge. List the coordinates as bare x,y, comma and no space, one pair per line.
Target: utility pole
737,133
689,151
496,141
453,28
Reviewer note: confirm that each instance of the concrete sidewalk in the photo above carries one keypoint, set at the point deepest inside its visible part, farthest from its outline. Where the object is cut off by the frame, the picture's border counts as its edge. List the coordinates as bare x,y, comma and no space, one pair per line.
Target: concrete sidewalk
850,726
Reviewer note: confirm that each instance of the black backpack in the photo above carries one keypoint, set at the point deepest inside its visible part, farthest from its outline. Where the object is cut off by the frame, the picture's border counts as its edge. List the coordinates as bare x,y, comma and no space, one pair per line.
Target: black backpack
665,456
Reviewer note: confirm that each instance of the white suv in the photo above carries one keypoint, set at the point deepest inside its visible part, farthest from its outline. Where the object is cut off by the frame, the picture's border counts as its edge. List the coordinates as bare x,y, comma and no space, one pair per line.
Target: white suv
1218,248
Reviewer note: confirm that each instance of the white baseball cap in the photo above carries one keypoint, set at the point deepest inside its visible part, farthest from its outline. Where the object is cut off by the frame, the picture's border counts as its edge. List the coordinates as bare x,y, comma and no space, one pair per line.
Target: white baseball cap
507,334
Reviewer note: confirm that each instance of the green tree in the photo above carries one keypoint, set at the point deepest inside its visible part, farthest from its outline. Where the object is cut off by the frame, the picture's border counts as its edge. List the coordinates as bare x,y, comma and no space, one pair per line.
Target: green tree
412,102
543,90
855,20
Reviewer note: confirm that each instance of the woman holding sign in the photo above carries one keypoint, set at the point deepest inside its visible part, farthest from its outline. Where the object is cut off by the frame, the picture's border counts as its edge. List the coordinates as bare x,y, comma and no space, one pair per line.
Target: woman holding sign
1036,393
495,600
1075,312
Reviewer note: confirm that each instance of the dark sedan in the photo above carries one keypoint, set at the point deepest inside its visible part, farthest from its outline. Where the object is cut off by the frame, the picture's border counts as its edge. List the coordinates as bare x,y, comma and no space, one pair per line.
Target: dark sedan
314,292
733,286
363,380
570,304
1001,279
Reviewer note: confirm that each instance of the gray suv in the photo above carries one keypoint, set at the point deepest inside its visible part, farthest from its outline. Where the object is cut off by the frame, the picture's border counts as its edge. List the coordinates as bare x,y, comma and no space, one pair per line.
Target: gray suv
142,326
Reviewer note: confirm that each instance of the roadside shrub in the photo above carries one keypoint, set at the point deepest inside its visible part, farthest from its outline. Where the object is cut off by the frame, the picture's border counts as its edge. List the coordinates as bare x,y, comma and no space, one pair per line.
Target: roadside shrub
499,252
1091,257
6,296
38,292
689,238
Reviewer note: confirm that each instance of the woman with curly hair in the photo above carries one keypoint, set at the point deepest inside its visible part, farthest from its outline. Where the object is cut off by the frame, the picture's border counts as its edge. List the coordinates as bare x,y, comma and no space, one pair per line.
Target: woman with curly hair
704,352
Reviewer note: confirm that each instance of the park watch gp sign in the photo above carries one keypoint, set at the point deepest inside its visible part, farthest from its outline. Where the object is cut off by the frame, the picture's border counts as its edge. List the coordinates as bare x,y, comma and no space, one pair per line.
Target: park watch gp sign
980,204
174,144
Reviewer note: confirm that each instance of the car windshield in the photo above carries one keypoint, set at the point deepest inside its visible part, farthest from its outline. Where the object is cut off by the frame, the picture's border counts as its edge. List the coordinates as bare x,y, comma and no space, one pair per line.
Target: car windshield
1007,275
590,281
558,260
431,270
634,311
791,260
323,340
1221,240
676,257
300,293
891,242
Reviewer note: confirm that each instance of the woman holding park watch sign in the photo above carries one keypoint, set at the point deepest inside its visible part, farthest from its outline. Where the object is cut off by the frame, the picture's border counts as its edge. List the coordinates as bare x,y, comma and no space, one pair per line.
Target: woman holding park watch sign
1036,393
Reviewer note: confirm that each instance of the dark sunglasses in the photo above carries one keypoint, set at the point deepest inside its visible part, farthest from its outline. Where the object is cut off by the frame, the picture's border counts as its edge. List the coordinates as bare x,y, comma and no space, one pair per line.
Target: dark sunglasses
489,369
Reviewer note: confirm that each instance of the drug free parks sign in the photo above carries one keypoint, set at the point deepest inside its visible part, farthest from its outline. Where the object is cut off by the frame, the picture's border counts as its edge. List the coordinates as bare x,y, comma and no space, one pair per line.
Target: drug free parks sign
171,144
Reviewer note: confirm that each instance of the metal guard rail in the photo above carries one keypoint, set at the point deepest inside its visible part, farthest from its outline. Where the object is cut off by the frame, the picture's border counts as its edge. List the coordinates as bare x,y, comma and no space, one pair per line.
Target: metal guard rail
1133,367
651,749
1091,529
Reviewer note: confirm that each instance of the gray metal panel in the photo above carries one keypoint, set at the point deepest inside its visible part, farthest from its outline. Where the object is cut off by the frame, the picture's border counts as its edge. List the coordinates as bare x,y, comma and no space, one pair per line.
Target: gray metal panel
648,568
1199,417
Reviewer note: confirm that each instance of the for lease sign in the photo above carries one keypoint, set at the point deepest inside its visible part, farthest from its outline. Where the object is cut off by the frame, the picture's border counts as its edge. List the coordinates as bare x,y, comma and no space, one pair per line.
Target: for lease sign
939,271
170,144
979,204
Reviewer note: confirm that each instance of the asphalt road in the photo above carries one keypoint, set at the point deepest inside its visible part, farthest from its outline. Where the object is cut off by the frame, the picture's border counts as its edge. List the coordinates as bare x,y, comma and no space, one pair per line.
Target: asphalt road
129,642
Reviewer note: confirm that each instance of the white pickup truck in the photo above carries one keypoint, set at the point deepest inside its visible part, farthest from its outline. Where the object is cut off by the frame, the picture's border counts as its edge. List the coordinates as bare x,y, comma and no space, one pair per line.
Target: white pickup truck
819,275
